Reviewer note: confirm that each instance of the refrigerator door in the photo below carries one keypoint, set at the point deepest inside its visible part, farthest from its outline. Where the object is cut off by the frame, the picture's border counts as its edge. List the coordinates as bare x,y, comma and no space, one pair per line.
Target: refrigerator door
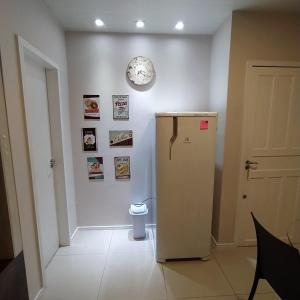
185,176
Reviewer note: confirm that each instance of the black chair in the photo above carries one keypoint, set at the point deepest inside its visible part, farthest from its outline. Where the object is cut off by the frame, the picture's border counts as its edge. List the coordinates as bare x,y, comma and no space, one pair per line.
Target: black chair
278,263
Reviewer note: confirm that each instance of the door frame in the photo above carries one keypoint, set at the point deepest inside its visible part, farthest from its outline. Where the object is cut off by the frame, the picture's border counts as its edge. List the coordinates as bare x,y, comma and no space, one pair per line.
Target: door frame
8,172
55,120
249,67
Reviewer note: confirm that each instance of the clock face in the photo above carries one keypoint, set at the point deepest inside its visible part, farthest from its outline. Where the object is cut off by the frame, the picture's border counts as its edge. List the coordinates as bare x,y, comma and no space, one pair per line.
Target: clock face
140,70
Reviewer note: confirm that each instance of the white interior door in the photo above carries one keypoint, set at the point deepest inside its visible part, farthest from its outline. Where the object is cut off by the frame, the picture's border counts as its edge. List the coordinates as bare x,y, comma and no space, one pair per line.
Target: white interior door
270,181
38,128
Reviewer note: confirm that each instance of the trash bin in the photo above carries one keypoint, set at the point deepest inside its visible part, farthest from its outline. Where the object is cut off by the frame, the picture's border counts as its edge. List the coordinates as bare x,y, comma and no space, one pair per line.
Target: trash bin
138,212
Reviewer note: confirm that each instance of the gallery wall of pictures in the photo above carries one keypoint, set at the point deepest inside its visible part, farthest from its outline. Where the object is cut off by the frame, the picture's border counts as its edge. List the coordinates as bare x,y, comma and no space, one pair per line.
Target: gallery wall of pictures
117,138
97,68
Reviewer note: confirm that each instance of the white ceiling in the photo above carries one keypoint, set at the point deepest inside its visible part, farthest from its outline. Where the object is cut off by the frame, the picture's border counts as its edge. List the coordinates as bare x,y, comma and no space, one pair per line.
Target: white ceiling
160,16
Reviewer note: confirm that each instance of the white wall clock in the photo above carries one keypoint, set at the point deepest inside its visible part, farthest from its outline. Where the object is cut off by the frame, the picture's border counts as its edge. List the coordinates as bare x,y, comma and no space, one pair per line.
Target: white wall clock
140,70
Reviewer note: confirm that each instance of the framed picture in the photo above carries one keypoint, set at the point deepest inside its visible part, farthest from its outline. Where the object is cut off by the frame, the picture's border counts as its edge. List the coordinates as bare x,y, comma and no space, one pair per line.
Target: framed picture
91,107
122,167
89,139
120,138
120,107
95,168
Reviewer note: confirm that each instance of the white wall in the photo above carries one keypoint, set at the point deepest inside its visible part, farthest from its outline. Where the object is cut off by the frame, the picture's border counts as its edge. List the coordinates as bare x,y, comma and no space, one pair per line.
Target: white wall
254,36
219,71
31,19
97,65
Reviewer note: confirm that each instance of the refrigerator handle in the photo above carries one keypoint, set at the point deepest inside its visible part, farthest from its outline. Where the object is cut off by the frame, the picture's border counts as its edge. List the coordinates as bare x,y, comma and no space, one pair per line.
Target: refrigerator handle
174,136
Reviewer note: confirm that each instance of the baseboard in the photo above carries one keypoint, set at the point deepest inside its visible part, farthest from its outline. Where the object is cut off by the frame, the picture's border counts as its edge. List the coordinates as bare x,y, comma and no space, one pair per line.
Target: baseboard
39,294
74,232
108,227
150,225
222,245
104,227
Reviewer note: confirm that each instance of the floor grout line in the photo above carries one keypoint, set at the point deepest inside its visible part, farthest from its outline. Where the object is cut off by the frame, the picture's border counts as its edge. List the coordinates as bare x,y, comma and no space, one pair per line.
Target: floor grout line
105,265
108,255
78,254
164,277
225,276
236,294
203,297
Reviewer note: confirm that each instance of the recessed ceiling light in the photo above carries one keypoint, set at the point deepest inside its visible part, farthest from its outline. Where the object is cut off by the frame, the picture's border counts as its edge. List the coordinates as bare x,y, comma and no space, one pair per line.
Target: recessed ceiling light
99,22
179,25
140,24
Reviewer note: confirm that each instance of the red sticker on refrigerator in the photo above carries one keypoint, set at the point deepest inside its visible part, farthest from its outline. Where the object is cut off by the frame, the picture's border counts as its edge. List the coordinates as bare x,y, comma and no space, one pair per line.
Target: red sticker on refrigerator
203,124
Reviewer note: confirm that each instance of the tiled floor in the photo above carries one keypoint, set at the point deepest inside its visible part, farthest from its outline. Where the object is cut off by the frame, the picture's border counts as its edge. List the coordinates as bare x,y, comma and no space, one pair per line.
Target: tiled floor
111,265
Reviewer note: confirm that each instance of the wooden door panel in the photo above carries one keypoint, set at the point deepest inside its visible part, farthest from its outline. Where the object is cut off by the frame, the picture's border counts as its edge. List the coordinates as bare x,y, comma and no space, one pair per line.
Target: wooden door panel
271,187
262,113
262,199
38,127
274,201
275,110
288,209
294,132
281,102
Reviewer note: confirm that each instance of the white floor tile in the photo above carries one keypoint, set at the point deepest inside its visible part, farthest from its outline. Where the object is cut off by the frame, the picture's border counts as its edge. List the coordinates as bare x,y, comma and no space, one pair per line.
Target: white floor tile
195,279
123,242
239,265
132,277
88,242
111,265
74,277
208,298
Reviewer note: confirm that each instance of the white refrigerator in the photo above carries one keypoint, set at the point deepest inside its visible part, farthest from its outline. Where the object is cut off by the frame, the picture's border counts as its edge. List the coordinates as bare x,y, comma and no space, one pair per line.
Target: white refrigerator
185,165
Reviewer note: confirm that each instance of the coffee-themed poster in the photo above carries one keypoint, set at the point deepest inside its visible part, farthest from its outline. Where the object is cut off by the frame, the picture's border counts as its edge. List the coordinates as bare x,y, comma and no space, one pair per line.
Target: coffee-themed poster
89,139
122,167
120,138
120,107
95,168
91,107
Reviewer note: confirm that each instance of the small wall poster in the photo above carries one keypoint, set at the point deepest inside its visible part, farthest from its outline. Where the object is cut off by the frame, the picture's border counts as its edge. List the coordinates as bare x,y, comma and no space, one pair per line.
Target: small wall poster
120,138
120,107
91,107
95,168
89,139
122,167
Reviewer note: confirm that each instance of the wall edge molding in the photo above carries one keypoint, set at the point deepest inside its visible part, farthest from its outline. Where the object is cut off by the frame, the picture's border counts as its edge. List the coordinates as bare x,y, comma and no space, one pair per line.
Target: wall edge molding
222,245
73,234
39,293
108,227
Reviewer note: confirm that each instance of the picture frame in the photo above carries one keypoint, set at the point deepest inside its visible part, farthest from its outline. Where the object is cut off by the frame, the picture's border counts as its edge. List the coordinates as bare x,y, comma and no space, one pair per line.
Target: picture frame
122,167
89,139
95,168
120,138
120,107
91,107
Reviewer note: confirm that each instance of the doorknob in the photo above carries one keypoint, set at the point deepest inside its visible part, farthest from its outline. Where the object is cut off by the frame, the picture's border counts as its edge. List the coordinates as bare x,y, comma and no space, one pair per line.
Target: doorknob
251,164
52,163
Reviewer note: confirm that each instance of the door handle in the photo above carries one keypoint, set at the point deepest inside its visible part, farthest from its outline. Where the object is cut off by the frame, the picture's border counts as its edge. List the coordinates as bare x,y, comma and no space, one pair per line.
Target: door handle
251,164
52,163
174,136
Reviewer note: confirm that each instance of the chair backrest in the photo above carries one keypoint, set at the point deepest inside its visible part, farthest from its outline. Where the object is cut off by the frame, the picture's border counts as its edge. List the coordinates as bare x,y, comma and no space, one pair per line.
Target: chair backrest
278,263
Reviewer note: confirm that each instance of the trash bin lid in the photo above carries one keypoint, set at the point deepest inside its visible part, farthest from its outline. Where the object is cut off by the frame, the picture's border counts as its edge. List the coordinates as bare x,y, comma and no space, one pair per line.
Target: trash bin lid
138,209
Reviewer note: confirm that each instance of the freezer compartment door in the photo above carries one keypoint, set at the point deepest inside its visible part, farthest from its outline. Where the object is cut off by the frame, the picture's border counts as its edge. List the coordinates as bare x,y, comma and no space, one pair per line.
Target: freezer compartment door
185,175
